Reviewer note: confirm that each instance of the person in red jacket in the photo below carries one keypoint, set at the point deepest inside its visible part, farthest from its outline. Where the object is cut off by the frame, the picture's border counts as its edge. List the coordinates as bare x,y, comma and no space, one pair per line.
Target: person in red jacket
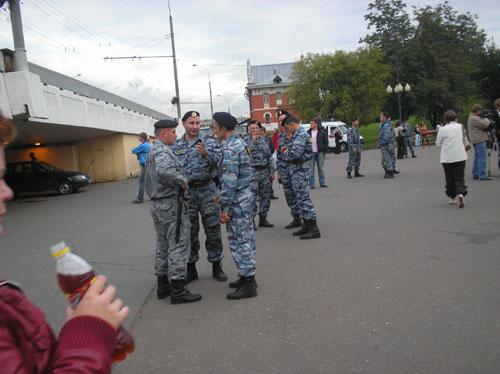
27,343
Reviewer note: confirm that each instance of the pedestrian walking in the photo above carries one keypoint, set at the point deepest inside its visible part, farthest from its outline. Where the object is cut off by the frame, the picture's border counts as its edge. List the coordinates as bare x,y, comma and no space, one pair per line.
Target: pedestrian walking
263,174
496,120
166,187
298,155
386,144
200,156
354,148
451,138
236,204
142,151
283,170
400,142
319,140
478,133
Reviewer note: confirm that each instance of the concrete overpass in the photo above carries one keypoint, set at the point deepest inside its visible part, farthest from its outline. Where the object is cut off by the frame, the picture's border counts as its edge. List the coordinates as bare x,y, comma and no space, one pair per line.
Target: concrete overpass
71,124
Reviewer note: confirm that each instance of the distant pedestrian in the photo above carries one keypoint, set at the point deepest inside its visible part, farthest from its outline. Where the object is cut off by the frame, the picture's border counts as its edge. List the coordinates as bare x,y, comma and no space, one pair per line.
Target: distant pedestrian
142,151
386,144
298,155
450,138
408,137
496,119
236,204
337,135
354,147
319,139
478,133
400,141
33,157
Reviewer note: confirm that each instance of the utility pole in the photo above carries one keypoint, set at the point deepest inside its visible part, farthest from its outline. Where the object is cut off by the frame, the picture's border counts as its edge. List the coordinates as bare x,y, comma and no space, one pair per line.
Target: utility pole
175,63
20,57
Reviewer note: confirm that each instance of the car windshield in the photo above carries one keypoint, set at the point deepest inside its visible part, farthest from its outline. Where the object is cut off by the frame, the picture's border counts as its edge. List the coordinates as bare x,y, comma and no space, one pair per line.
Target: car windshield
48,166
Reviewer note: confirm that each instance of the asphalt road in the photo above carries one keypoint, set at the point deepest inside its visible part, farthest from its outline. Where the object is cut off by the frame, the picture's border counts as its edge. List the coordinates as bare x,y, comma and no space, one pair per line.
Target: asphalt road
400,282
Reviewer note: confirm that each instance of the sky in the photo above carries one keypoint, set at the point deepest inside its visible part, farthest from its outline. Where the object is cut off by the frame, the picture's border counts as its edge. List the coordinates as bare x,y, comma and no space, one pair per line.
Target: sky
73,37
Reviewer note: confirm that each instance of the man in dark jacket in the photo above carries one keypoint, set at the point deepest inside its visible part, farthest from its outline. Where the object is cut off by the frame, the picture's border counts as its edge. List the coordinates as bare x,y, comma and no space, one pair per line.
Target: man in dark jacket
319,138
496,118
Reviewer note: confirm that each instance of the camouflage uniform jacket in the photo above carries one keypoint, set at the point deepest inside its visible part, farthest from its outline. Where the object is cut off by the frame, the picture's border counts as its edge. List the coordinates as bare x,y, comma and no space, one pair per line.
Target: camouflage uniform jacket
236,171
385,134
164,174
260,152
354,140
300,148
196,167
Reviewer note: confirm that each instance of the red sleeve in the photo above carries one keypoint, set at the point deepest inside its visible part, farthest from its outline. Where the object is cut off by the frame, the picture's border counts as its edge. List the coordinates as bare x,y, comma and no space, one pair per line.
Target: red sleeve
11,357
85,346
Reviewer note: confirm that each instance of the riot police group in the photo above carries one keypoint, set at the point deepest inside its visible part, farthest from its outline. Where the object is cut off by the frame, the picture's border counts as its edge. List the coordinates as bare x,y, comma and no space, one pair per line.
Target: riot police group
226,180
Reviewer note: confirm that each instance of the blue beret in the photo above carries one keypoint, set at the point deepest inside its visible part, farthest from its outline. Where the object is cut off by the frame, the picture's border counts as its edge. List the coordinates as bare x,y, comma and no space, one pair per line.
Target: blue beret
166,124
225,120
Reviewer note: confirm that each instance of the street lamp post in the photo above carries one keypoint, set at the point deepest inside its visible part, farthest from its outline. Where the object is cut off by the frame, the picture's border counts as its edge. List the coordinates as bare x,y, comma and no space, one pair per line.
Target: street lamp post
227,100
209,89
398,90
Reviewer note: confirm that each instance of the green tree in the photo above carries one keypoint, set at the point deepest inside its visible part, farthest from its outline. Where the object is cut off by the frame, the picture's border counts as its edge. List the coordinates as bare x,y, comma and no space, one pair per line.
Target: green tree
445,54
489,74
340,85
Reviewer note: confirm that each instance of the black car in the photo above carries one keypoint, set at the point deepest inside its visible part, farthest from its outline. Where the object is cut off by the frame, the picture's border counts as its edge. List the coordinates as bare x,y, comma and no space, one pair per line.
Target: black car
37,176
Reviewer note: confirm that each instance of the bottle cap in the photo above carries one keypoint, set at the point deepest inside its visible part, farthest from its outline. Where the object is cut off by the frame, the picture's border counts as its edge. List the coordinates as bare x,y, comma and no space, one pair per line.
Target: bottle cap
60,249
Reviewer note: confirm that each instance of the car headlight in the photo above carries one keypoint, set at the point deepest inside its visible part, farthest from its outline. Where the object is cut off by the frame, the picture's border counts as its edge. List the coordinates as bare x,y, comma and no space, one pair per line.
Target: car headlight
79,178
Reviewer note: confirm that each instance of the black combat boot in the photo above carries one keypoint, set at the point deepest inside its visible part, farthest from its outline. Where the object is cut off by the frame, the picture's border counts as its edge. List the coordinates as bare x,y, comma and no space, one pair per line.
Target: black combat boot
163,289
217,272
297,222
180,294
304,229
263,222
413,155
191,273
357,174
349,175
313,232
247,289
395,171
388,174
254,225
238,283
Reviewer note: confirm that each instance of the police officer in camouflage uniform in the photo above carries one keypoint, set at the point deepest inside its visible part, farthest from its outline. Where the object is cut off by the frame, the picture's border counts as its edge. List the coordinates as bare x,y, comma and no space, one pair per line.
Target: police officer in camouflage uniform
236,199
386,144
354,147
166,187
261,157
200,156
298,155
283,170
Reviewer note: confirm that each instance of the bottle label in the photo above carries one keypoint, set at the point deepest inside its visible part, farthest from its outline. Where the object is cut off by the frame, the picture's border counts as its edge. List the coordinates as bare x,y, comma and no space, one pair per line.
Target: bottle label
75,297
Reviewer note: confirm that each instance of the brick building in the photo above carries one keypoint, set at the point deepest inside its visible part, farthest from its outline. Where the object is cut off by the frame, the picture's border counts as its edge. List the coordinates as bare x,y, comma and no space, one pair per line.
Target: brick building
266,91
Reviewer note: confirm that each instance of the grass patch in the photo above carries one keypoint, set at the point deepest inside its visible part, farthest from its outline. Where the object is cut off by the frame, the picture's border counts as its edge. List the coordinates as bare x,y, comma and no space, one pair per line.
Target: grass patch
370,135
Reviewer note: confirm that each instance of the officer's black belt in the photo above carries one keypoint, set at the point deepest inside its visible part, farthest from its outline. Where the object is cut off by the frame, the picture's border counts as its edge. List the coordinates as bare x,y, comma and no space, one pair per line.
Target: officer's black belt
260,167
297,162
199,183
163,198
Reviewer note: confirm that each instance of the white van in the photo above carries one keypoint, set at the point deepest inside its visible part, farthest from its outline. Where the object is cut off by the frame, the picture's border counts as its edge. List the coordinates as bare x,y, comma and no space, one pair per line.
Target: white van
331,128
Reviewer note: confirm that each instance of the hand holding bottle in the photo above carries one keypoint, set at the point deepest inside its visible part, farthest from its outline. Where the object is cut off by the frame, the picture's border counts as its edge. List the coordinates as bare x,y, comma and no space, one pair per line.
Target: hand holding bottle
98,302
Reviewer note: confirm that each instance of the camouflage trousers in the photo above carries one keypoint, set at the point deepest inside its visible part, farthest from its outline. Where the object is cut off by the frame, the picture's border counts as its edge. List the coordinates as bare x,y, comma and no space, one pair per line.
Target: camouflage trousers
388,157
201,202
300,184
354,161
261,191
240,234
171,257
291,200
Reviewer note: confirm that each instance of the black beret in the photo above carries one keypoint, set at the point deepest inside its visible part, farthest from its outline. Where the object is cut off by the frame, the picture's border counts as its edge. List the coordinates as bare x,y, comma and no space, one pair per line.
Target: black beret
354,118
166,124
225,120
192,113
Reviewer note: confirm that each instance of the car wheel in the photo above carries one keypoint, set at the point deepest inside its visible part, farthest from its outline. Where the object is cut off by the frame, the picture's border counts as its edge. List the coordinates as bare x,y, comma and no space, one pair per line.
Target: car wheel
343,147
64,188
